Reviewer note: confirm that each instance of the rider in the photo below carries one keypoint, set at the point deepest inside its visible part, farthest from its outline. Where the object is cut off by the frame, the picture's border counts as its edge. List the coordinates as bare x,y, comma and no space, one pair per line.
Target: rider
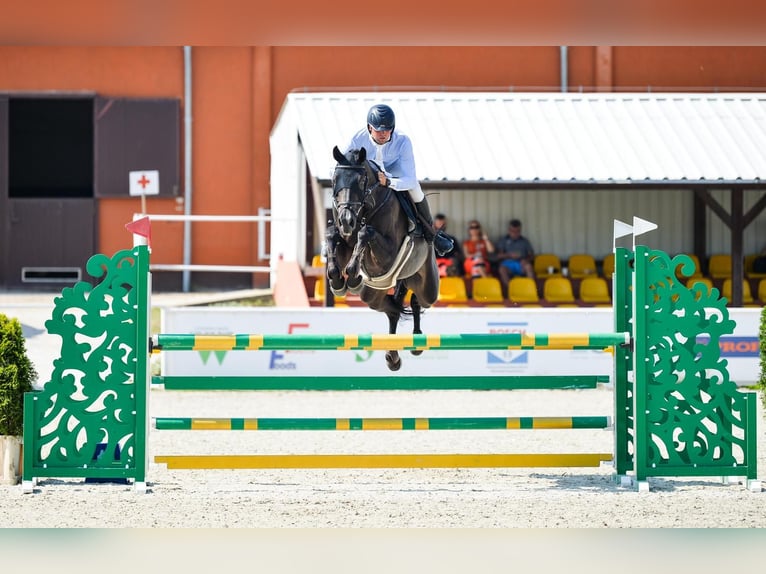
392,151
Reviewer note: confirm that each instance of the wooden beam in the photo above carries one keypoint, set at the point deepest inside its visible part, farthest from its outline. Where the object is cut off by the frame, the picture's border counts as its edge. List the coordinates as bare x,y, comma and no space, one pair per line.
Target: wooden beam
713,204
737,230
754,211
699,225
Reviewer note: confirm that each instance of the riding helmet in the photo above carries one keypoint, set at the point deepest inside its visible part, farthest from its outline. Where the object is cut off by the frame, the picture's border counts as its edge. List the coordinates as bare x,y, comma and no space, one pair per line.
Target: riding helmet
381,117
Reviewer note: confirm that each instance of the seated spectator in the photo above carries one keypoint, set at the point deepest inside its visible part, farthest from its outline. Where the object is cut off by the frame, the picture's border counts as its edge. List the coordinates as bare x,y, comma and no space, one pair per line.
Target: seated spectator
515,255
451,263
759,263
477,250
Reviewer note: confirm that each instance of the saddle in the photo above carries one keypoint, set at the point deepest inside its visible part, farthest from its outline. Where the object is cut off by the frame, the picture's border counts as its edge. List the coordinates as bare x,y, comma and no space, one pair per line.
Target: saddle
389,279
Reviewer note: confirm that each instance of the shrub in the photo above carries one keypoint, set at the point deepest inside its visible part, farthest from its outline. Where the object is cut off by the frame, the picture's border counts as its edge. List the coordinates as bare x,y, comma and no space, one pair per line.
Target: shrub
16,376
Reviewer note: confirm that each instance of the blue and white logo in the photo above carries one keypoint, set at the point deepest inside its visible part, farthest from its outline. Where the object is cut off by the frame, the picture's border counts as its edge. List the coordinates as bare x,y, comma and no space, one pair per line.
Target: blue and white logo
507,360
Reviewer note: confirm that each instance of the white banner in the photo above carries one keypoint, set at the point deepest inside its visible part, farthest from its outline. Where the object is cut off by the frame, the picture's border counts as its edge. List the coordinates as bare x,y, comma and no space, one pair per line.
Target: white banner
363,321
738,349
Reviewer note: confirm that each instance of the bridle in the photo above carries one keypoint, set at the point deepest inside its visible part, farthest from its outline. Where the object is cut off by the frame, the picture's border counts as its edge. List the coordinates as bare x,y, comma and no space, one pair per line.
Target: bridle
355,207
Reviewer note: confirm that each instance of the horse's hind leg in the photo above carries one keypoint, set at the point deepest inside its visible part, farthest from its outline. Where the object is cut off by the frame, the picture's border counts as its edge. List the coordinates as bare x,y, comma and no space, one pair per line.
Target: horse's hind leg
416,310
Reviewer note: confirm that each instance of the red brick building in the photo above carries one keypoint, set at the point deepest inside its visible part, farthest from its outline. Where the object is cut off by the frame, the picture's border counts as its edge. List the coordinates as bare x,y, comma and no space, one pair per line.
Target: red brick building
237,93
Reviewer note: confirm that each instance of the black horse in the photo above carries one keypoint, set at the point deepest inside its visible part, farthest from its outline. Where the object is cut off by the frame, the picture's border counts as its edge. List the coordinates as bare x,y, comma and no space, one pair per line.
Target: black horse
372,247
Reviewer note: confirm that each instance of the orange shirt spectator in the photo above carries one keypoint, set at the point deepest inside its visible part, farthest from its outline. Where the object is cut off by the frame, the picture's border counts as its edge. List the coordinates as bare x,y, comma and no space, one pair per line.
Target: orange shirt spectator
477,249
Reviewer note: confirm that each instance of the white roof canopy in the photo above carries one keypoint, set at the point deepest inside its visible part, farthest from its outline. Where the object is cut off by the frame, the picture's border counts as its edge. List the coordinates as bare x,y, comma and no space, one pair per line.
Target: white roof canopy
559,138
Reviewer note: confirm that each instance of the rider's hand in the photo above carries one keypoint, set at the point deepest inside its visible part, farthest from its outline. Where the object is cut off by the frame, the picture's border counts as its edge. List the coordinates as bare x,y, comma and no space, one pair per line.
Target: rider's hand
384,181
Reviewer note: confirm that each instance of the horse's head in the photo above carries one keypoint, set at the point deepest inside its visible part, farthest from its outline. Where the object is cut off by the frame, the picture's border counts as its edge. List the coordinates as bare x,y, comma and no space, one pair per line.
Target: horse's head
352,180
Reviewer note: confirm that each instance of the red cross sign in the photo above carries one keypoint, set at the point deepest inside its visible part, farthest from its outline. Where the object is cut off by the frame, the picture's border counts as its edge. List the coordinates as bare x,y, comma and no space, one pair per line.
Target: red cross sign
144,182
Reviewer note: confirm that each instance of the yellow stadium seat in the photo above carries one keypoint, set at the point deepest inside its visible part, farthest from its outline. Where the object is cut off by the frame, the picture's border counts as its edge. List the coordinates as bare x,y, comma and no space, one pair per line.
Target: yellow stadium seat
558,290
719,266
608,266
595,290
762,290
747,296
581,265
543,262
697,267
452,290
702,280
523,290
487,290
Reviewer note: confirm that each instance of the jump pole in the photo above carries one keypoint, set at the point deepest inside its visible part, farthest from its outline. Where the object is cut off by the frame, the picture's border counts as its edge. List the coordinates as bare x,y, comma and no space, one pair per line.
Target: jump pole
398,383
383,424
319,461
386,342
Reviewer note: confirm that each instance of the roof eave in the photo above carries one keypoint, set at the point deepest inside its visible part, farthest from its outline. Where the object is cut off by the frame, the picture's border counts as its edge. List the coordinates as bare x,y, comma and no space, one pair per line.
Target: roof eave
588,184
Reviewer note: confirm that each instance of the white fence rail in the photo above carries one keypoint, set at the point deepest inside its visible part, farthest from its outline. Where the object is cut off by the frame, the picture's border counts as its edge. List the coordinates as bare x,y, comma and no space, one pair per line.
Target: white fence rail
262,219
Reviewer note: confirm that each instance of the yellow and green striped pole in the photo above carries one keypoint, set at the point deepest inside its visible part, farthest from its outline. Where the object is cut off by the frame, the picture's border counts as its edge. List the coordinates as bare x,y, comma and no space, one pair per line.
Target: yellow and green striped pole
385,342
379,424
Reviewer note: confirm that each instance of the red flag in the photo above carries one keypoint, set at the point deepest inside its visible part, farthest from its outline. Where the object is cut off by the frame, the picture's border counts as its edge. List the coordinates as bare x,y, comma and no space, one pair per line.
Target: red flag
142,227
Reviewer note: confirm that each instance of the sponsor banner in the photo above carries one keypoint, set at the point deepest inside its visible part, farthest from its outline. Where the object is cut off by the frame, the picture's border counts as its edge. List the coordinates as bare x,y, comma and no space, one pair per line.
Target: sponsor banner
222,320
741,349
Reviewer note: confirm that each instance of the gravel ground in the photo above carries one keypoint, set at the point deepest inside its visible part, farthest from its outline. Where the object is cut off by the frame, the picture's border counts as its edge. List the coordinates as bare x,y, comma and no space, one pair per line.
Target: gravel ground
372,498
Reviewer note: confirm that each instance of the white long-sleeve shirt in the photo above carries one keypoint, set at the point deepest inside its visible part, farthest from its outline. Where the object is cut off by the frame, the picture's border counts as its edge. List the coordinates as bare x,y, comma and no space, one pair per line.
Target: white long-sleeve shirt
395,157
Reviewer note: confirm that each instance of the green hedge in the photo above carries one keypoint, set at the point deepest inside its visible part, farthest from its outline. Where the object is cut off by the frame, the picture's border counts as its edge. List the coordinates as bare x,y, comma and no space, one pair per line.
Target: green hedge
16,376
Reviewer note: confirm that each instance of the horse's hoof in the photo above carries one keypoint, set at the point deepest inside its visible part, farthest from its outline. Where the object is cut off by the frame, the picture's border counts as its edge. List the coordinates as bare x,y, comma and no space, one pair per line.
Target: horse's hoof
338,291
355,285
394,361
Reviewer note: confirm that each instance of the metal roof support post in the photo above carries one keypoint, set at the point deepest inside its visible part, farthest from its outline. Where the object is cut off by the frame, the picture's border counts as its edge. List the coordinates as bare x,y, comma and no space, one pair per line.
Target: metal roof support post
563,53
187,165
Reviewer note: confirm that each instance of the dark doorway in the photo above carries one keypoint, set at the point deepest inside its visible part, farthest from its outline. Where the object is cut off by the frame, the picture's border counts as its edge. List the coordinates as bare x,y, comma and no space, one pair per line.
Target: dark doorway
49,214
50,148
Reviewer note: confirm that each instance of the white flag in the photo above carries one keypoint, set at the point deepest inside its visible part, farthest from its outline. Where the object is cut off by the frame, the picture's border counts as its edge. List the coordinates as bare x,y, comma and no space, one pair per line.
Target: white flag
622,229
641,226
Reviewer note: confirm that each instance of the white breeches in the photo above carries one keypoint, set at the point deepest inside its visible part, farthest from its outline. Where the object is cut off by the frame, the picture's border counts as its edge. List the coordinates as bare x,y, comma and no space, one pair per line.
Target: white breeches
416,194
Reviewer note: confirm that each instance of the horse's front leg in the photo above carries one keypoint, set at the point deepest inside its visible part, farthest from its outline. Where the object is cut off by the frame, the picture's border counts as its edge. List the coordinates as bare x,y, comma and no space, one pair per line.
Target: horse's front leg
334,276
354,265
416,310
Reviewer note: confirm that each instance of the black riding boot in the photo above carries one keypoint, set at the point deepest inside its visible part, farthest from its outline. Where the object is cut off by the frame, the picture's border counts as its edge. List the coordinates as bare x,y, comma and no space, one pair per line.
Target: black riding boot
442,244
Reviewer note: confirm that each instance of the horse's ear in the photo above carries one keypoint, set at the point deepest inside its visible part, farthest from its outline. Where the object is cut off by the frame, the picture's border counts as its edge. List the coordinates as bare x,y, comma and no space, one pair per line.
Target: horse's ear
339,157
362,155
